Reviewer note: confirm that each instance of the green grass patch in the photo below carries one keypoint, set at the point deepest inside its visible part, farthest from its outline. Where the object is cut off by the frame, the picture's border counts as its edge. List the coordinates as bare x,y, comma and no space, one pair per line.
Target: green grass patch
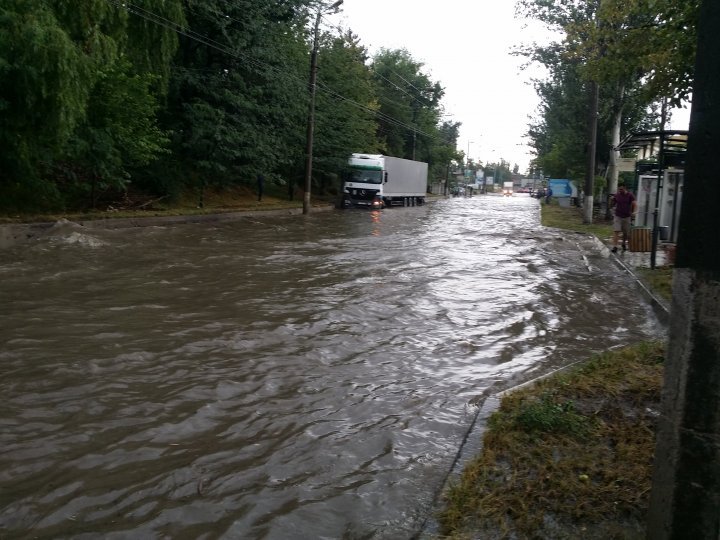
571,218
659,280
569,457
548,414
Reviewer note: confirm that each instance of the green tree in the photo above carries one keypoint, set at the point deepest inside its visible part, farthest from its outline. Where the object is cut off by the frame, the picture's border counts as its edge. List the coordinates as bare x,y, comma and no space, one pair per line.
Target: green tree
45,81
643,49
346,119
409,105
500,171
56,58
628,41
119,132
410,113
600,43
237,103
444,150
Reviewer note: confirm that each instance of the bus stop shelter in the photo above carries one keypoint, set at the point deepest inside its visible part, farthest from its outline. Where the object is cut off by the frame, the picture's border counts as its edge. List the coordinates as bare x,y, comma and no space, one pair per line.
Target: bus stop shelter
658,184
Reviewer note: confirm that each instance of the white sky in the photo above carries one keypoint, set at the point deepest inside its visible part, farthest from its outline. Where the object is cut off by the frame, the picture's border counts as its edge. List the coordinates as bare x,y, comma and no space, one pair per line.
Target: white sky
465,46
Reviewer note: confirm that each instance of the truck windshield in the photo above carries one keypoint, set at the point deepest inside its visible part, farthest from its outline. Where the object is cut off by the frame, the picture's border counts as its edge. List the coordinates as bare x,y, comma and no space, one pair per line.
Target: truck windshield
366,176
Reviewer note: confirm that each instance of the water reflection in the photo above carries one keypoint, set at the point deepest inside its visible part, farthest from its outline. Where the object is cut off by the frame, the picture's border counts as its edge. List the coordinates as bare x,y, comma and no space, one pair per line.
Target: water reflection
375,216
277,377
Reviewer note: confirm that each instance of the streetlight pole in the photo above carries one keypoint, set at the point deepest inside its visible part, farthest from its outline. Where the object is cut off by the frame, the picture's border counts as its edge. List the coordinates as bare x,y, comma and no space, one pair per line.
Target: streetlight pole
311,110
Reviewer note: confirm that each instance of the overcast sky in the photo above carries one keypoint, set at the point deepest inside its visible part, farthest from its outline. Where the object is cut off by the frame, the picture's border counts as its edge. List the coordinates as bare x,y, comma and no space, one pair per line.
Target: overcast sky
466,46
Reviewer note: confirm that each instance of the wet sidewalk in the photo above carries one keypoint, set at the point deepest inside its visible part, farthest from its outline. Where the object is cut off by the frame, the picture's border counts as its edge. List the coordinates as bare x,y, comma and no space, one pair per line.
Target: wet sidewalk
634,262
643,259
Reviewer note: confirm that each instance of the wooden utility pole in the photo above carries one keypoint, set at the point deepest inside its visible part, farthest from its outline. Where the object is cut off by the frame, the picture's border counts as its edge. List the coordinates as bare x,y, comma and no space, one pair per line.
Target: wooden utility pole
311,110
685,497
311,118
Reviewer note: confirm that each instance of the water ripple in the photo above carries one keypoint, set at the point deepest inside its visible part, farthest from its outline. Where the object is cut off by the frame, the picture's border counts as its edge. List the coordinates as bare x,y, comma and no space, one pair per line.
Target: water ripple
277,377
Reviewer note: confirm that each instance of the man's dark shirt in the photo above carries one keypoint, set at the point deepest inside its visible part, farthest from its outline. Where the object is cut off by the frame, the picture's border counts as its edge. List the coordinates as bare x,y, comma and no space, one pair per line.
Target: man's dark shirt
623,204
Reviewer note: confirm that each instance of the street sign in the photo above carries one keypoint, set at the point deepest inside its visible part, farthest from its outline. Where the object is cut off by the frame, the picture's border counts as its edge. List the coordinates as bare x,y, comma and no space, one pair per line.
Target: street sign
626,164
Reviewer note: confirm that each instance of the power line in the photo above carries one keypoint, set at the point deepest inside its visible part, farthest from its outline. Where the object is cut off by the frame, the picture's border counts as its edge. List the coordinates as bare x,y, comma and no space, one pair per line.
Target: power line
341,29
411,85
382,116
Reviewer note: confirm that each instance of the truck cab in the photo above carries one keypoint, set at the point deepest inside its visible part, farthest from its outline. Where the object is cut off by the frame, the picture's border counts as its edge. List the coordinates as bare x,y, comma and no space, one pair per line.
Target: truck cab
363,185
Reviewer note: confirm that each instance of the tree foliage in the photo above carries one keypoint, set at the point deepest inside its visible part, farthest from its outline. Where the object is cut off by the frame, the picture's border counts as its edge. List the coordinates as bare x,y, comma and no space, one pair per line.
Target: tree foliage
233,104
346,104
167,95
60,63
652,41
410,122
639,51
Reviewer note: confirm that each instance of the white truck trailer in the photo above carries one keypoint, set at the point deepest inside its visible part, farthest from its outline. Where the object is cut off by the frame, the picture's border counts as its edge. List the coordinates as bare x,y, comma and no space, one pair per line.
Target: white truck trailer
377,181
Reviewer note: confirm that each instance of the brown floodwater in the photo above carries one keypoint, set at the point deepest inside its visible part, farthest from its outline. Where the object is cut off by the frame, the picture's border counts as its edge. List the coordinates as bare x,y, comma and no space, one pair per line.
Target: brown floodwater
279,377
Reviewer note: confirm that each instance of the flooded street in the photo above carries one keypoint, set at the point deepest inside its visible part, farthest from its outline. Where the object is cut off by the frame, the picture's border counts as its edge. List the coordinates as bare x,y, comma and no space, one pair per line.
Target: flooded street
279,377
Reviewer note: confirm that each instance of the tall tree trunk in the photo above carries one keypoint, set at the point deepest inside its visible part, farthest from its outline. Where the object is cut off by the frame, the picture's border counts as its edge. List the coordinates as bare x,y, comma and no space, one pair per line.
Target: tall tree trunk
588,203
614,154
685,493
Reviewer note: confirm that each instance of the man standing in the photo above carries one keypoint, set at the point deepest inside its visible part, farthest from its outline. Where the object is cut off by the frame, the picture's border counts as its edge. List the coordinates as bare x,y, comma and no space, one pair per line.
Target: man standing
625,207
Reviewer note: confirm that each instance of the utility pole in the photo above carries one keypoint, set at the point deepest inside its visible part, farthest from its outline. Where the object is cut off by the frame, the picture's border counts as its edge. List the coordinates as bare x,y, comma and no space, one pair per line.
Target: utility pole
447,180
660,180
311,110
685,494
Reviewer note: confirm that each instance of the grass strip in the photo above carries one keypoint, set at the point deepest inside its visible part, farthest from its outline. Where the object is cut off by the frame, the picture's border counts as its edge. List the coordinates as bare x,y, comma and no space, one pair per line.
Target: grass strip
569,457
571,218
659,280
